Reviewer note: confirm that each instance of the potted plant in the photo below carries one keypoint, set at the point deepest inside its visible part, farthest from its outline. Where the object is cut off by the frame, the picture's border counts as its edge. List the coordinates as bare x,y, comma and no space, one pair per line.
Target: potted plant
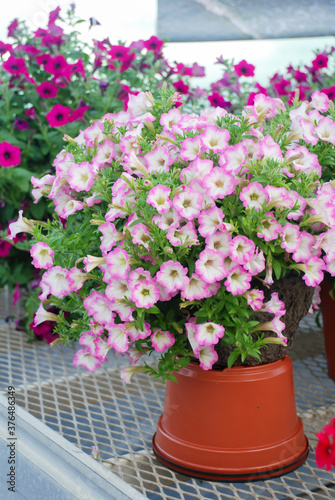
197,239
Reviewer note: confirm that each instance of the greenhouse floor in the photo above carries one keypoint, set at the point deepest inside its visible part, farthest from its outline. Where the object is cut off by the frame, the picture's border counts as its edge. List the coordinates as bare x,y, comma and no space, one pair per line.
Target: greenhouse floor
99,410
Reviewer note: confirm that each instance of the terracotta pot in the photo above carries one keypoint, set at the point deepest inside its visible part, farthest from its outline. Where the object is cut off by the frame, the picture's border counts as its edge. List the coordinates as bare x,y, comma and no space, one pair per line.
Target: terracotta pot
237,424
328,316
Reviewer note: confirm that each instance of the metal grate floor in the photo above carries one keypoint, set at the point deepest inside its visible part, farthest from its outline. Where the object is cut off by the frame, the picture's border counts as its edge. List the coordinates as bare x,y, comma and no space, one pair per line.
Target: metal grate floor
99,410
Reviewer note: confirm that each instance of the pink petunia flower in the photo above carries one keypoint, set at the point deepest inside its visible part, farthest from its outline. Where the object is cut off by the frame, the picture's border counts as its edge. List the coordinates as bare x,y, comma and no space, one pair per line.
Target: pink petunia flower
255,299
57,279
42,255
188,203
117,338
10,156
210,221
207,356
242,249
219,183
172,276
325,449
196,289
162,340
145,294
191,148
47,90
244,69
210,266
84,358
158,197
127,372
81,177
99,306
208,333
238,281
117,262
58,115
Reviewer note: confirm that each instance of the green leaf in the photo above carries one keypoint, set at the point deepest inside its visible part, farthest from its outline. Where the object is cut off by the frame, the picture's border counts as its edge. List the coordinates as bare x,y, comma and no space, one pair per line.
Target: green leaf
233,357
137,221
276,268
153,310
21,177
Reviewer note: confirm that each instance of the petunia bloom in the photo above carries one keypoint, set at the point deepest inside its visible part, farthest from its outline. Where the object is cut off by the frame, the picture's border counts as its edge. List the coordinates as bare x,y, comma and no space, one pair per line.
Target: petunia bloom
58,115
10,156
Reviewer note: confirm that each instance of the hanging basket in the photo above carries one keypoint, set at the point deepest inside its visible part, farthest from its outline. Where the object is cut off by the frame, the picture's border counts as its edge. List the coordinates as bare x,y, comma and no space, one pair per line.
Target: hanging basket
328,317
237,424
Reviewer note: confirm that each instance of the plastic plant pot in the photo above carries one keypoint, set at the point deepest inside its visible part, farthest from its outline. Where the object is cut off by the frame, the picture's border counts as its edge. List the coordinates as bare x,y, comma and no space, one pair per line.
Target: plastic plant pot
237,424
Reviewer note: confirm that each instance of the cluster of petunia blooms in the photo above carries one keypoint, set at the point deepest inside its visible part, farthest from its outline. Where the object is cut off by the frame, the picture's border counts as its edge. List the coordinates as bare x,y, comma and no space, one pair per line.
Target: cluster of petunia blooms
176,222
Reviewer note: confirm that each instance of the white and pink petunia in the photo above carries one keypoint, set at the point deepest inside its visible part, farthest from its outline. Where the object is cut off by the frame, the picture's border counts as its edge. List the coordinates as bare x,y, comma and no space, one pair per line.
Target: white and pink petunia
269,228
191,148
158,160
254,196
127,372
117,337
87,340
214,139
238,281
58,281
210,221
172,276
117,262
196,288
255,298
84,358
106,153
110,236
22,225
42,315
208,333
77,278
219,183
99,306
185,235
210,266
158,197
242,249
145,294
233,158
162,340
42,255
207,356
81,177
188,203
291,237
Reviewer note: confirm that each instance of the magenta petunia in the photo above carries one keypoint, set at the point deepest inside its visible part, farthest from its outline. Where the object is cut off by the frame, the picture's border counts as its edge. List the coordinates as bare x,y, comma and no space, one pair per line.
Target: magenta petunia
21,124
5,248
217,101
58,115
47,90
155,44
5,47
9,155
244,69
181,87
15,66
325,449
43,59
58,66
321,61
119,52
